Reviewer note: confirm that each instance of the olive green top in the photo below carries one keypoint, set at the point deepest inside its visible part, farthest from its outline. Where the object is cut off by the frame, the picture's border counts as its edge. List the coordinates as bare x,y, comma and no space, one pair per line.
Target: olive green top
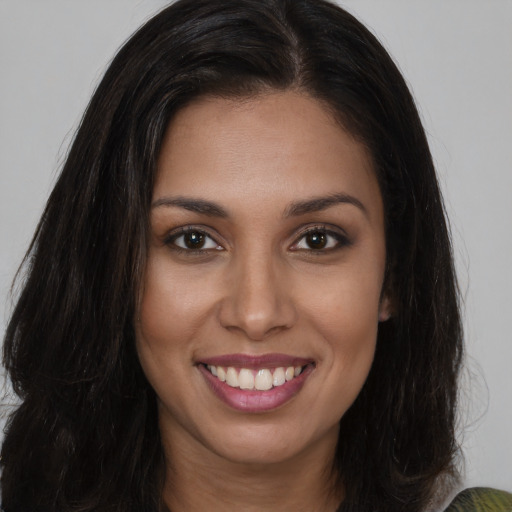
481,500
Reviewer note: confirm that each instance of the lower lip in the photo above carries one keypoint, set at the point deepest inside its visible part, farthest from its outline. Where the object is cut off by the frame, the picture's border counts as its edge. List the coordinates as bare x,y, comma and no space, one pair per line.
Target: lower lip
256,401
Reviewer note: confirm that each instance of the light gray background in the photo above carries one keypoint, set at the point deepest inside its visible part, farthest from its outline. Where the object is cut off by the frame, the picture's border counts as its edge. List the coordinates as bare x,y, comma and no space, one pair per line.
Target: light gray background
457,57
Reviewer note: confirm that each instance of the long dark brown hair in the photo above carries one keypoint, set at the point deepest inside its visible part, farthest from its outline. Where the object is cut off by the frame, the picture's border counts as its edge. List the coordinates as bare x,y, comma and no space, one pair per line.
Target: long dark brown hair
85,436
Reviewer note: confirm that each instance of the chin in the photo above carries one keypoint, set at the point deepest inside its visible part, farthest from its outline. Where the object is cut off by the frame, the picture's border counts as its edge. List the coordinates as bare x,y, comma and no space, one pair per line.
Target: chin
264,445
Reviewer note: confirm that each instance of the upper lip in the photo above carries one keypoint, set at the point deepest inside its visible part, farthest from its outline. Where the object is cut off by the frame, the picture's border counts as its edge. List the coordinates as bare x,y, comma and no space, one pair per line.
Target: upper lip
256,361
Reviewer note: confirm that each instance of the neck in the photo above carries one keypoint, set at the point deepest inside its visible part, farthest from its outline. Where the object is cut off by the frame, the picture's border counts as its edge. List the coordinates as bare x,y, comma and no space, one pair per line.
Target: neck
197,479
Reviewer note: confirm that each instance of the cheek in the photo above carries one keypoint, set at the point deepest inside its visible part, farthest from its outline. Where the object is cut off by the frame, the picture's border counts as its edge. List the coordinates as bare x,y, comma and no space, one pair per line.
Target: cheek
174,304
344,310
342,316
171,310
345,301
351,335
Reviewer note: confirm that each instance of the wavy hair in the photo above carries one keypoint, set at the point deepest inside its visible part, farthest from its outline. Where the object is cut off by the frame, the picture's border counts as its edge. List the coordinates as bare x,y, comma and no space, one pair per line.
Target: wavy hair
85,436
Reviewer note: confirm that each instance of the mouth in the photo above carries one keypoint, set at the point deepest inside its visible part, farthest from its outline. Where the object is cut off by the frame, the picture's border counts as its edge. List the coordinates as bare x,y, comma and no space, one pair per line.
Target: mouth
256,383
261,379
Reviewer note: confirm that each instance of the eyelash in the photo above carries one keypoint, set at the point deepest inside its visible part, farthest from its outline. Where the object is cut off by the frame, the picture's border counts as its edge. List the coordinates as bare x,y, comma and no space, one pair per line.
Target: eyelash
170,240
340,239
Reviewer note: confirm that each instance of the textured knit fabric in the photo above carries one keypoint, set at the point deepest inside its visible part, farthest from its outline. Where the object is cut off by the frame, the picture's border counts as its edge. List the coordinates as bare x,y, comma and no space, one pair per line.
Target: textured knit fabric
481,500
478,499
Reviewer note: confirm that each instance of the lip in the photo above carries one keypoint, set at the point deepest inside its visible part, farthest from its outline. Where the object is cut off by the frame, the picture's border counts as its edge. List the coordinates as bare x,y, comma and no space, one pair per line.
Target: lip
255,401
254,362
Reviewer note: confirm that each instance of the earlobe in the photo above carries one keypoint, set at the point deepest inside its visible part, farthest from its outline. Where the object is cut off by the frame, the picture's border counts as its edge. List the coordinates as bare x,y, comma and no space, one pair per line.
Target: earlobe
385,309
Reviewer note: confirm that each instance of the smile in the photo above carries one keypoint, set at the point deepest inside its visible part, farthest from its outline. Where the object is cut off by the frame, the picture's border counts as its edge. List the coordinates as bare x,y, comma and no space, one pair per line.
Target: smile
256,384
249,379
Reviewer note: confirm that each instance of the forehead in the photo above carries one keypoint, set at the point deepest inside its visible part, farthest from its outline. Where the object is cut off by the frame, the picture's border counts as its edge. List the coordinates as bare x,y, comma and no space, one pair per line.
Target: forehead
272,147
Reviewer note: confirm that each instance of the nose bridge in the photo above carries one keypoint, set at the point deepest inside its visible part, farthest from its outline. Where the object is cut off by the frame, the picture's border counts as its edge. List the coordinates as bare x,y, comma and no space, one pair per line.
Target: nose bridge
257,303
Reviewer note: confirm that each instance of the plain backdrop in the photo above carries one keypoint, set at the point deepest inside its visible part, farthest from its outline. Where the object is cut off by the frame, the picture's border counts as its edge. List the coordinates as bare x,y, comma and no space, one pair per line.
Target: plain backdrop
457,57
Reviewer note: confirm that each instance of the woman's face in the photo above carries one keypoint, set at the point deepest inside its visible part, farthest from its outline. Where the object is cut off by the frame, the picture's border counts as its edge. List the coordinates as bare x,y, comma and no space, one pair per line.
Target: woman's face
262,293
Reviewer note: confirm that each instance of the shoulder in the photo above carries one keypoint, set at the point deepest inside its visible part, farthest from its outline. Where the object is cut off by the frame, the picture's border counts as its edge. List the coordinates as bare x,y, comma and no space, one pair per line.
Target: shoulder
481,499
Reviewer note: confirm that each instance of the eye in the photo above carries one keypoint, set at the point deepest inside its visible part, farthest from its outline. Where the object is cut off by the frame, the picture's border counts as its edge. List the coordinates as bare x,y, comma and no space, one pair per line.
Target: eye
192,239
320,239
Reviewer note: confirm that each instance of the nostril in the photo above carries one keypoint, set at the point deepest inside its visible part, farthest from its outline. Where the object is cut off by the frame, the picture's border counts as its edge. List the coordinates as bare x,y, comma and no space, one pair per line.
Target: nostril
255,333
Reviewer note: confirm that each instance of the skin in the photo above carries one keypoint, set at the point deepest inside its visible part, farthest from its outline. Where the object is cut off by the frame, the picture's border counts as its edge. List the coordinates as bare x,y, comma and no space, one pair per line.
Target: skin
259,288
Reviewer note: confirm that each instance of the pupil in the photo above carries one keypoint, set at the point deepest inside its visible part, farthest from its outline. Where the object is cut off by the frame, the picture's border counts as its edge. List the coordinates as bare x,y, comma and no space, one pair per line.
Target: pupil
316,240
194,240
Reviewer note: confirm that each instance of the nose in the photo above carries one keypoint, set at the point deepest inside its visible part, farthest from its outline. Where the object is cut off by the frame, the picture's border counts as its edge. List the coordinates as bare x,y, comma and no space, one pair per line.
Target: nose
258,301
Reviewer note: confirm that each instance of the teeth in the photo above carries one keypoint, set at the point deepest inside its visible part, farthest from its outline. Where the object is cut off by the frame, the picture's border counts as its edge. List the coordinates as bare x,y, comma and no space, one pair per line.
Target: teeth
232,378
279,377
246,379
261,380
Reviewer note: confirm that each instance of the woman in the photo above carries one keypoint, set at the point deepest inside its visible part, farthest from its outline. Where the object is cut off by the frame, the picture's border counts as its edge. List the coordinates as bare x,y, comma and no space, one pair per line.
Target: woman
241,281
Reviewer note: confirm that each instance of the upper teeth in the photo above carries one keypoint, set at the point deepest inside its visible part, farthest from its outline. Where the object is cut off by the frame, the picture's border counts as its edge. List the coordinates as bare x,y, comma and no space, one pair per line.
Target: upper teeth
260,380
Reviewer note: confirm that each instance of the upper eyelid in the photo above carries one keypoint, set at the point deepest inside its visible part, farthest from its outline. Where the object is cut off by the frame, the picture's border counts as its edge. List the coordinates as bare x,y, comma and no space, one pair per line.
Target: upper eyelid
190,228
327,228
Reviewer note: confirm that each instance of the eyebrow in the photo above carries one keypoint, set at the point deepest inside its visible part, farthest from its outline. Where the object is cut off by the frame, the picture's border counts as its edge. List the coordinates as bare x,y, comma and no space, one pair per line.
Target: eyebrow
318,204
295,209
192,204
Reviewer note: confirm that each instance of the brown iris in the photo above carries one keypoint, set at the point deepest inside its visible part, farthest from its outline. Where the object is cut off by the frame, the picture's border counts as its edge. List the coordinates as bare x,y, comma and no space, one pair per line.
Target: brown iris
316,240
194,240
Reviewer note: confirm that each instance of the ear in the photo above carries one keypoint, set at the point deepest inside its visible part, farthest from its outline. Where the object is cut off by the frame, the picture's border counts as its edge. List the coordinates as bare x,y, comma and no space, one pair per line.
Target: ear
385,308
